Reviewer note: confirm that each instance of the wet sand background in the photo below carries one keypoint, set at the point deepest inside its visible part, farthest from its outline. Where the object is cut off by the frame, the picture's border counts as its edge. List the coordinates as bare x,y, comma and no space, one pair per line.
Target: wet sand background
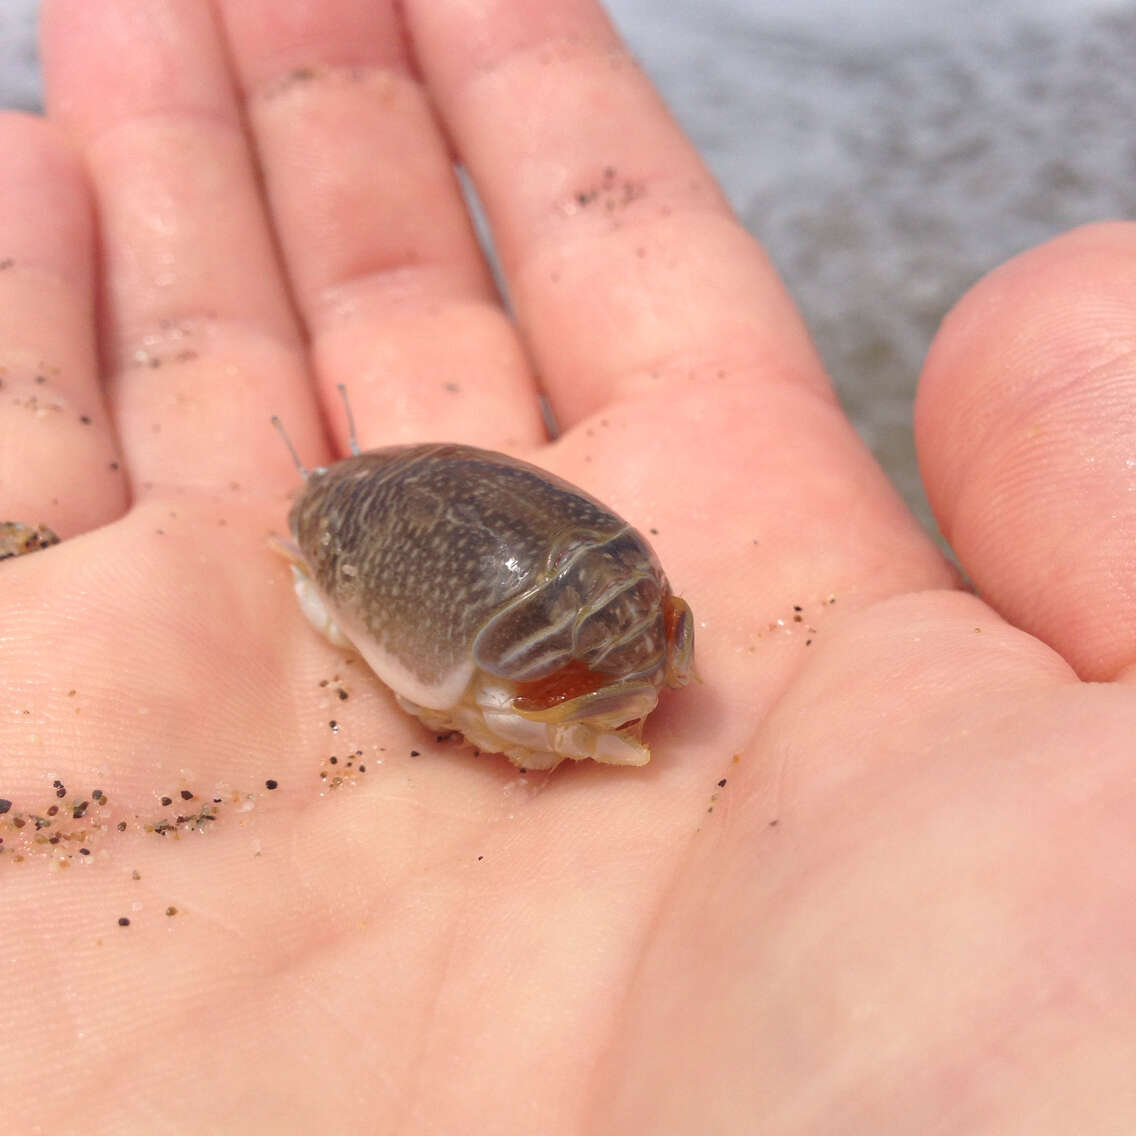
887,153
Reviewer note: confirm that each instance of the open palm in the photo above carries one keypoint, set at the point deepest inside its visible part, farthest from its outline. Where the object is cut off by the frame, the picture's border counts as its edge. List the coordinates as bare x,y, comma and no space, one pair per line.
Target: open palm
879,873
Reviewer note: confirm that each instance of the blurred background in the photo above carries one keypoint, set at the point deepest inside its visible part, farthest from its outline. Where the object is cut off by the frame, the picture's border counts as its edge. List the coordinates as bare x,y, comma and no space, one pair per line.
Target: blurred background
887,152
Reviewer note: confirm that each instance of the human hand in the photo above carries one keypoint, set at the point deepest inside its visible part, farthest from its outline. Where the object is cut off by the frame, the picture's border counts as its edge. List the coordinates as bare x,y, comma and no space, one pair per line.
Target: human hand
907,907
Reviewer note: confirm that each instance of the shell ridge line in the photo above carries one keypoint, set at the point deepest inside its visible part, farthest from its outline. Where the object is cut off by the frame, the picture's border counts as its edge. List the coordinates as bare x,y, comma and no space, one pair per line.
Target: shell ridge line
536,637
574,618
633,631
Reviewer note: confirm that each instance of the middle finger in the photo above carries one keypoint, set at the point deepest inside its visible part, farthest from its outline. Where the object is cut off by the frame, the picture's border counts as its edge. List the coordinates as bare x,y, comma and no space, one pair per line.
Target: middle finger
384,263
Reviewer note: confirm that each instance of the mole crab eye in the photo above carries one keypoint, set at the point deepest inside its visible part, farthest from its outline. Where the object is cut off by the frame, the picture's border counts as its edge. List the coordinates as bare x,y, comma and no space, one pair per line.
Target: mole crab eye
492,598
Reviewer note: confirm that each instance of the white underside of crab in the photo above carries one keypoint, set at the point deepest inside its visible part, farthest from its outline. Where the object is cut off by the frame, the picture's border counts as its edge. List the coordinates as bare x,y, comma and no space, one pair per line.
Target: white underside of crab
479,704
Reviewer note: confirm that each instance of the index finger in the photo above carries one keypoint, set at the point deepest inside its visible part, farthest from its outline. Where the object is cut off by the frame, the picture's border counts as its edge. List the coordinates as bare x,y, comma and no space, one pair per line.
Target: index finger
662,333
625,264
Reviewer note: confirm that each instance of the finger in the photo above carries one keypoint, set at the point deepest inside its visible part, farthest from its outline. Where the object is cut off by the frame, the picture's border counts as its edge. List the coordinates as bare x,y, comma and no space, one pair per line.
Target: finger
58,454
1026,426
625,266
387,272
640,294
200,344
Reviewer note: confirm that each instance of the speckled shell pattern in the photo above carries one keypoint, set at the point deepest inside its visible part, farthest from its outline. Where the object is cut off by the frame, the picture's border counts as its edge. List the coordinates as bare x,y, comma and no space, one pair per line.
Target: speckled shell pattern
445,551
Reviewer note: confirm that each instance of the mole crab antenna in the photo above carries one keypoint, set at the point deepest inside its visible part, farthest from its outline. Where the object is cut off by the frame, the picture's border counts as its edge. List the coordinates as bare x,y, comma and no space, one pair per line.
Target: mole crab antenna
291,449
352,439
